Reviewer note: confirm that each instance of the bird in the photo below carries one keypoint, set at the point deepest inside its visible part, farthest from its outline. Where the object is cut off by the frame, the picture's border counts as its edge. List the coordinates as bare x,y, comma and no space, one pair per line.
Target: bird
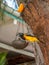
21,7
28,37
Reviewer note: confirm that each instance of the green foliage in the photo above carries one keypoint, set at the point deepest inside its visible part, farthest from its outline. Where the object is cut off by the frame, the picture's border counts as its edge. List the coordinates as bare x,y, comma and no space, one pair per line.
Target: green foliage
3,58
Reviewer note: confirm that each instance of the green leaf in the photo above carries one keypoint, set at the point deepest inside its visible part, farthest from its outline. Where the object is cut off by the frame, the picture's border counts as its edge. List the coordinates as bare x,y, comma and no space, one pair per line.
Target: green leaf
3,58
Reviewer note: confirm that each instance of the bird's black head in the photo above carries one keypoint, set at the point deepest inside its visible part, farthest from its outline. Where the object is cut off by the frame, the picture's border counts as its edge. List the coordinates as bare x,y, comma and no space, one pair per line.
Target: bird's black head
21,35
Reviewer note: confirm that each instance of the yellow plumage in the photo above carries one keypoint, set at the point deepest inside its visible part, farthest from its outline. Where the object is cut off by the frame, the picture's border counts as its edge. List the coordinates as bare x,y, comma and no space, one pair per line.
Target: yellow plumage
31,38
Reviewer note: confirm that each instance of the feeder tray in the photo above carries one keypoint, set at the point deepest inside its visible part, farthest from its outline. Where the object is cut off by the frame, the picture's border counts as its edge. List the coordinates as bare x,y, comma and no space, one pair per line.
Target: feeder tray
19,43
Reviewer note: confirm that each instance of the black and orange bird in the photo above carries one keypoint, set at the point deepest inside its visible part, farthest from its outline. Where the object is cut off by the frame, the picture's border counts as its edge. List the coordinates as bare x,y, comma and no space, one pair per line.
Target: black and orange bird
28,37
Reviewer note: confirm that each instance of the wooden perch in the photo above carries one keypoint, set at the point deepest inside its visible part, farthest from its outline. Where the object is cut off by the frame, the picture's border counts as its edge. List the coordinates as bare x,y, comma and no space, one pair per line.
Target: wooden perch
20,51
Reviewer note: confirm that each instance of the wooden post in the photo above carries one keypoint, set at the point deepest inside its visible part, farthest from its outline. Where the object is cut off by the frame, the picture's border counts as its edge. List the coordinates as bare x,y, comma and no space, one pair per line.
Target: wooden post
36,15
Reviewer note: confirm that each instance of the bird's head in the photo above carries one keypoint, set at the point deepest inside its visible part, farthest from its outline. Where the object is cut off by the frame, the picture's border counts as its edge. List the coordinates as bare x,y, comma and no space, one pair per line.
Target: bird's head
22,35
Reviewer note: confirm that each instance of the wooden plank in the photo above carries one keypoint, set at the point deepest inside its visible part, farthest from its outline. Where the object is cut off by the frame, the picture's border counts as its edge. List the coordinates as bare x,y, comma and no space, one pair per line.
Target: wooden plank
10,48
